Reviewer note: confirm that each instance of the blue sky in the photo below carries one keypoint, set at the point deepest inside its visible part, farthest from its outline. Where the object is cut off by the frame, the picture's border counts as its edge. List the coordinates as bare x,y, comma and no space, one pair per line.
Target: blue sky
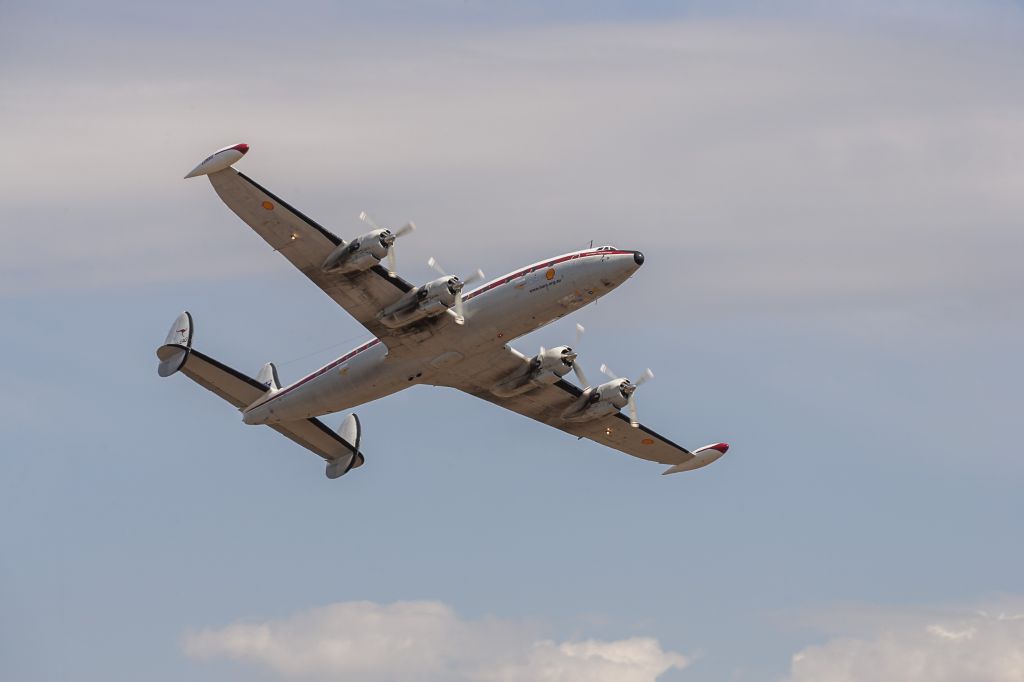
829,201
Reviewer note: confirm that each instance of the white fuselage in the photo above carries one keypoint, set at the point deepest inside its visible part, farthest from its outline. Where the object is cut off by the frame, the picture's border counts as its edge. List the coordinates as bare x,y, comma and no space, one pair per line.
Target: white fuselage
496,313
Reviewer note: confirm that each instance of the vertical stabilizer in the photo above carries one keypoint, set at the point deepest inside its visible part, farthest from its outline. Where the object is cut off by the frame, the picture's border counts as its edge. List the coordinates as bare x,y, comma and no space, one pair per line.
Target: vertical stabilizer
351,433
177,346
268,377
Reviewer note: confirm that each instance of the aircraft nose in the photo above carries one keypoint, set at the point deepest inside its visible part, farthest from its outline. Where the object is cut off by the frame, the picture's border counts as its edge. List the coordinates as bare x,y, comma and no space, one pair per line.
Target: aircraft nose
638,257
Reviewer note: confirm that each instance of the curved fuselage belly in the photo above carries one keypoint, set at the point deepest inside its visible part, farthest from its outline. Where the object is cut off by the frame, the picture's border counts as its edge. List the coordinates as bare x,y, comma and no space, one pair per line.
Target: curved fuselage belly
495,314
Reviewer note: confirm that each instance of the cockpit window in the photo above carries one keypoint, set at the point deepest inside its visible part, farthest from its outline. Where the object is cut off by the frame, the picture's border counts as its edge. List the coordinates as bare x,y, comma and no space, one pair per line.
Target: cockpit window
606,248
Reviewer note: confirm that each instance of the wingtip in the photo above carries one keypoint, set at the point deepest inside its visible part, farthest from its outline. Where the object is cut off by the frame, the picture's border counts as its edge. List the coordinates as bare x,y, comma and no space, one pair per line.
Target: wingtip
219,160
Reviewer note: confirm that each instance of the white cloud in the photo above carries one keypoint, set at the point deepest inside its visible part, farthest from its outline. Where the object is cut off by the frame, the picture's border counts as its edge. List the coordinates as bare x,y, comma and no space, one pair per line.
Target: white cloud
424,640
966,647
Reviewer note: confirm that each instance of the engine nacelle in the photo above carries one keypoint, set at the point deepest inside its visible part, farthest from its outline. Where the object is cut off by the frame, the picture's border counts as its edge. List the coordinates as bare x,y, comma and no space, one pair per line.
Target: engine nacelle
600,401
544,368
429,300
362,253
557,361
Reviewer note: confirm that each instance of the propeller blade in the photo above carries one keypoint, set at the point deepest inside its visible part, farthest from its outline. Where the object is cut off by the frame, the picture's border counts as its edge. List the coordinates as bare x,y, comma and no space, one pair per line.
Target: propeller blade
646,376
432,262
580,375
607,371
579,332
365,217
475,277
542,349
460,318
401,232
391,260
632,412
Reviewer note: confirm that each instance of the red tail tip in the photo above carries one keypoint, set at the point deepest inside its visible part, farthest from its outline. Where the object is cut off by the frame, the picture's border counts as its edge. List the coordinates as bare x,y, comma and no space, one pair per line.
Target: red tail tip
721,447
242,147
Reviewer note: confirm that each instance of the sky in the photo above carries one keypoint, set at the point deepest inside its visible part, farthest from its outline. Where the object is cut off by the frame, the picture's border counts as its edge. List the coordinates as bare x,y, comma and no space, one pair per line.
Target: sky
829,197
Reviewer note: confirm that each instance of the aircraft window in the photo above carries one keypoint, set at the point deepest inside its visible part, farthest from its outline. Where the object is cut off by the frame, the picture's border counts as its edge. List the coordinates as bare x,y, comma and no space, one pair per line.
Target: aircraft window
606,248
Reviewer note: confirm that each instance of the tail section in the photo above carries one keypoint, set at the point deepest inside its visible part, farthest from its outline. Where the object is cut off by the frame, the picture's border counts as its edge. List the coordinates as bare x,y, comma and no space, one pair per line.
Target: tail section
178,355
341,449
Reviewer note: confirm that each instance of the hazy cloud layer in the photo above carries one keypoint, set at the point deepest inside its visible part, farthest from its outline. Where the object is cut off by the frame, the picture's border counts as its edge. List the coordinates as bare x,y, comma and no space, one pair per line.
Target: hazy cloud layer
780,165
424,640
966,647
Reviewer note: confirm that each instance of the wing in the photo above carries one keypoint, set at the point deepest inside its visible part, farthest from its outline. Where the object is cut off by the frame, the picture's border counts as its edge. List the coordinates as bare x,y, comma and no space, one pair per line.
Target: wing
306,244
546,403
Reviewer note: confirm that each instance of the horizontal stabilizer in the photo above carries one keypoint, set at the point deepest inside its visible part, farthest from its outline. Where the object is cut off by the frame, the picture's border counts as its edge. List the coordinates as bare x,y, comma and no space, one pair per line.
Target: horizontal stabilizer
177,354
317,437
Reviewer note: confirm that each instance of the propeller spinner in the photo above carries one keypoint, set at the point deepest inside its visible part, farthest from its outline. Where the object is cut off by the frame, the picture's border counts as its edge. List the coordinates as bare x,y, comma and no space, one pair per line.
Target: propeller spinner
570,355
387,238
629,389
457,285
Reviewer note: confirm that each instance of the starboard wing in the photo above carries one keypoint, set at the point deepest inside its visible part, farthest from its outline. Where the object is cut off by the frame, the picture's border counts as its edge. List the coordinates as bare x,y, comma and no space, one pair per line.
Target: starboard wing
547,403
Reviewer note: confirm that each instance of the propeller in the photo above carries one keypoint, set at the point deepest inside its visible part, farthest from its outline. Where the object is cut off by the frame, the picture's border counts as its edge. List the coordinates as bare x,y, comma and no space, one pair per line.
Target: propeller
388,238
457,310
630,390
572,355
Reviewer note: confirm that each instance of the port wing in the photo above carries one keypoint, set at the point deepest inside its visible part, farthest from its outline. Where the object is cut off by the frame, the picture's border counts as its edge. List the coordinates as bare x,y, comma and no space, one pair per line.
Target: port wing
306,244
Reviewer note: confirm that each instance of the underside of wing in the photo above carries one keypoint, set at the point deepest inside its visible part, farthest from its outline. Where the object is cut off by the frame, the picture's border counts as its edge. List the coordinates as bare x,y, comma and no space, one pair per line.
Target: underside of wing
548,402
308,245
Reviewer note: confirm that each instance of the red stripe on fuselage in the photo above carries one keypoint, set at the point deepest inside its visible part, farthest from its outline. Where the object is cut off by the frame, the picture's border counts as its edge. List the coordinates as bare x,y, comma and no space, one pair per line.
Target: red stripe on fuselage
544,264
320,372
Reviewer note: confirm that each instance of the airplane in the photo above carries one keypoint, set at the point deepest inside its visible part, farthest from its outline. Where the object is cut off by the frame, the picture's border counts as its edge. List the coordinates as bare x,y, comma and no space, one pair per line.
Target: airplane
432,333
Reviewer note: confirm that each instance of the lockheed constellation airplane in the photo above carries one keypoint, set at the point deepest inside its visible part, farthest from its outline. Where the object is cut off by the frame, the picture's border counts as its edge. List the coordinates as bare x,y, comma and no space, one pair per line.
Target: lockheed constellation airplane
428,334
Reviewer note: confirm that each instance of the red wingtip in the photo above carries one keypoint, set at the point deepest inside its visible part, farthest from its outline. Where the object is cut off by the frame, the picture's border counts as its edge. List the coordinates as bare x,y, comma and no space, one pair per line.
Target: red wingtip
242,147
721,447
